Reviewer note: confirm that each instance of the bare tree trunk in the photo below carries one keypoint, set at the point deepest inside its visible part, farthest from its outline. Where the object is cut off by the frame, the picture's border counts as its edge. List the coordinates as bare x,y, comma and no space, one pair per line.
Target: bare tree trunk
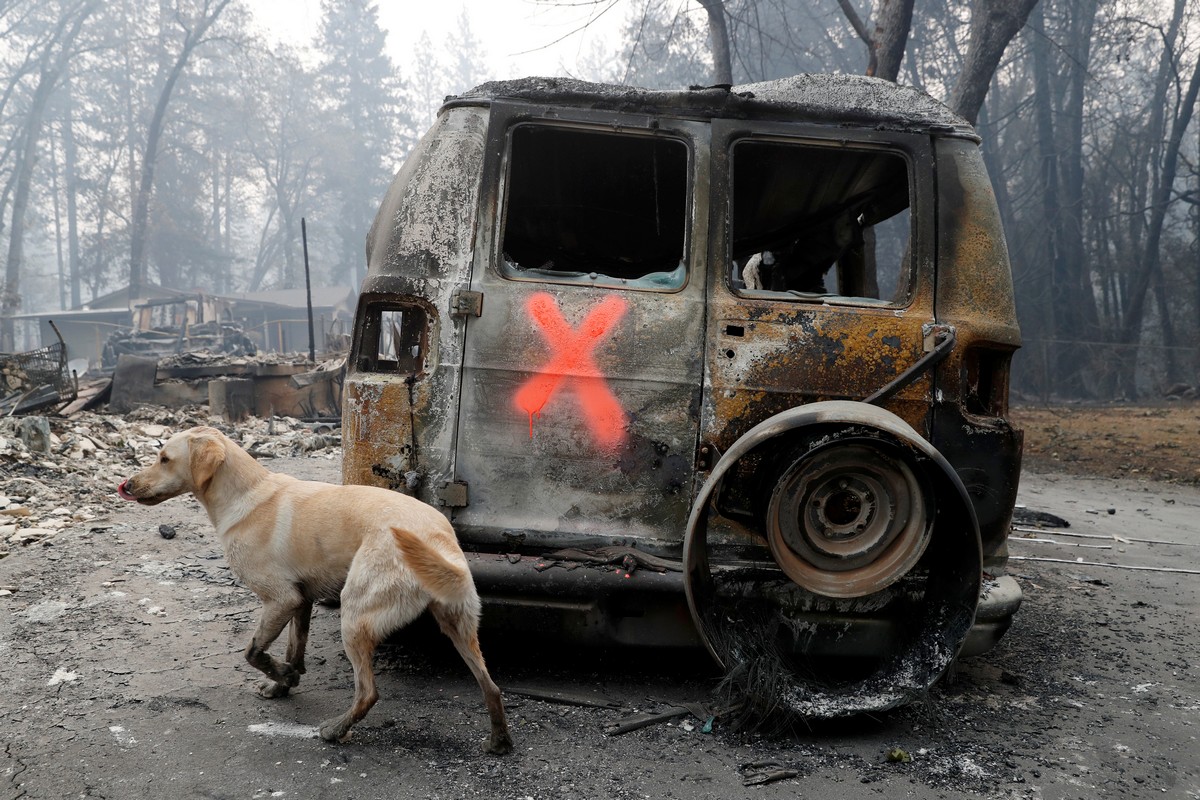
1083,19
1171,367
1150,263
993,159
1196,300
55,193
893,20
993,25
227,235
886,45
141,202
718,35
1072,310
861,29
1158,105
71,177
1060,313
55,56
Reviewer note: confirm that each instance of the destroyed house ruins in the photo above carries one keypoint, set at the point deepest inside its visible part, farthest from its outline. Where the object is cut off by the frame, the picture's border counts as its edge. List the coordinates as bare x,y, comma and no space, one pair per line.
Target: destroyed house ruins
272,321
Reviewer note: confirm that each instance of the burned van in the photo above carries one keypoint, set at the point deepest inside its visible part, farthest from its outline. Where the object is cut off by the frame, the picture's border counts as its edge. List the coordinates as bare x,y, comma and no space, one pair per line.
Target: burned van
724,366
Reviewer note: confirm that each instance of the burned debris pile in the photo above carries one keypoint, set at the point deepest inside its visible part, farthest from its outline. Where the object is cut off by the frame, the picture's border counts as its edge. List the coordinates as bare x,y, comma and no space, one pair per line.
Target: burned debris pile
234,386
68,435
59,472
216,337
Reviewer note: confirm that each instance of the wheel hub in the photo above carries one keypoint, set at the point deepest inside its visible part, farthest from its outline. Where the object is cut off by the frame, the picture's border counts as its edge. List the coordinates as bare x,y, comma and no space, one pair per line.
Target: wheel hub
848,520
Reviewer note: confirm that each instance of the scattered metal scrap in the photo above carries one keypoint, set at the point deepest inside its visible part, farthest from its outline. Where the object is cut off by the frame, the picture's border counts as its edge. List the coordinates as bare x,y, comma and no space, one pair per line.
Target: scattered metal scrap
1082,563
36,379
629,558
1038,540
643,720
1021,529
561,697
1024,533
233,386
1028,516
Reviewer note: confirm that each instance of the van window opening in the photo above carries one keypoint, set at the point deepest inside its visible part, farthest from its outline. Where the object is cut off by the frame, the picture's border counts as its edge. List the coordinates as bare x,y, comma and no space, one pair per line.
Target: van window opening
395,339
813,222
595,207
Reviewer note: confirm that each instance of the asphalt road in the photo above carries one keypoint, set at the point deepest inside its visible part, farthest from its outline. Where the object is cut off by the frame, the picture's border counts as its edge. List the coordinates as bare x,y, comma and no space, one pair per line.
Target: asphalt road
123,677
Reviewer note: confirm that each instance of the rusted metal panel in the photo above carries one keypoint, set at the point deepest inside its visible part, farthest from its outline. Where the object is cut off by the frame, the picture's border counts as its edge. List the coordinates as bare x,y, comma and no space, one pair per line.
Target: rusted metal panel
579,400
399,429
611,451
781,356
975,290
975,295
768,353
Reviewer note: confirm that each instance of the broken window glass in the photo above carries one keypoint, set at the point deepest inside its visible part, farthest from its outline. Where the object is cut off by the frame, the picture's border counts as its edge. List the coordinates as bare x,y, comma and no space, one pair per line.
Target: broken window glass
820,223
395,338
601,207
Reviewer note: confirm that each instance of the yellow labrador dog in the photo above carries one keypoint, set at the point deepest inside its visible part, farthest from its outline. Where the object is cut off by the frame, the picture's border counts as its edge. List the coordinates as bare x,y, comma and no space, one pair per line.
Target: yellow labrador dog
294,542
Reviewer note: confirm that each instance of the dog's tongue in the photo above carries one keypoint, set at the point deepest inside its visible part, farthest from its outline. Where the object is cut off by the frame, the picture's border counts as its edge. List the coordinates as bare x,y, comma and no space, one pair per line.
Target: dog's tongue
123,493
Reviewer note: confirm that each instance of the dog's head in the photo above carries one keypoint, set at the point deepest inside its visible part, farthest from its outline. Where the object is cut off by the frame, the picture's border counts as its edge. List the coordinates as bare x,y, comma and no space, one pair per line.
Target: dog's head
186,463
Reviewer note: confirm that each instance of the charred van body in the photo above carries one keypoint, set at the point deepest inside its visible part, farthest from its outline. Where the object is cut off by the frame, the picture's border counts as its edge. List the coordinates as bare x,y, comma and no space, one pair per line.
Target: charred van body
733,362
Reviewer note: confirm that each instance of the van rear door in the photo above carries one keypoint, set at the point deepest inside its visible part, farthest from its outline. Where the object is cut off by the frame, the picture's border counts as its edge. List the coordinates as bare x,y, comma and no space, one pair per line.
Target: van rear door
827,288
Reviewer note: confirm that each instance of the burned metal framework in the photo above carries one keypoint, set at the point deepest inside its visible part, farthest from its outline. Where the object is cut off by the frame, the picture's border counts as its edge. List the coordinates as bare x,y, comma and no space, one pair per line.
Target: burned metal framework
35,379
592,361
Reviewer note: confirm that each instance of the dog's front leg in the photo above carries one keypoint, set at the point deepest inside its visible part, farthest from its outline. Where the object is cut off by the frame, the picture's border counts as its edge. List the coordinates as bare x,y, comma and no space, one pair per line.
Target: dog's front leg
298,637
297,642
282,676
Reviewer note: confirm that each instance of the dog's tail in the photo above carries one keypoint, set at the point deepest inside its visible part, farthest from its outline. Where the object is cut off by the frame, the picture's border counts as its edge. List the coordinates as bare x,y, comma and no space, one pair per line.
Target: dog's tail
447,581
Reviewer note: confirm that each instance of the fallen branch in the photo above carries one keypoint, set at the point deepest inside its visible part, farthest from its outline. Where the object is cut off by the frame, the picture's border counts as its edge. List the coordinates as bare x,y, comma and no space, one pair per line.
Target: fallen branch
638,721
565,698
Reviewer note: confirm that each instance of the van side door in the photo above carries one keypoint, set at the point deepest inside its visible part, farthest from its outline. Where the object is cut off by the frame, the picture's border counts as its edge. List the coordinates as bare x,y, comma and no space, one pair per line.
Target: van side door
580,400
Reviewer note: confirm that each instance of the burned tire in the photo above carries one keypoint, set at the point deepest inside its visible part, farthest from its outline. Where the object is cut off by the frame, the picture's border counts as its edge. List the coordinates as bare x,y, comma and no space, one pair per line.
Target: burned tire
868,575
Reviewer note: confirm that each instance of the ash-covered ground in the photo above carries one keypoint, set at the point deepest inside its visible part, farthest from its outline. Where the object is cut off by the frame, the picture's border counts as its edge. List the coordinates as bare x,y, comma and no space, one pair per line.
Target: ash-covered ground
121,651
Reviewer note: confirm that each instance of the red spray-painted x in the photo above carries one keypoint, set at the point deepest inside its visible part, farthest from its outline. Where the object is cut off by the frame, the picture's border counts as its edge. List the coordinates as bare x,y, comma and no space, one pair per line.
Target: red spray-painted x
572,361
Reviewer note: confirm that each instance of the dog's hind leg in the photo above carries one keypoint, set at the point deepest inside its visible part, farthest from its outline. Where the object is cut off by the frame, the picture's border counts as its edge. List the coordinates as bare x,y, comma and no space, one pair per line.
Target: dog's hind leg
377,599
282,676
462,626
360,640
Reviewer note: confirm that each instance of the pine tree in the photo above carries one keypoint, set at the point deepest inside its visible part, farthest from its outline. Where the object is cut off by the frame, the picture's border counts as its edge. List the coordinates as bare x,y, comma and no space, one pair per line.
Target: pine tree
363,120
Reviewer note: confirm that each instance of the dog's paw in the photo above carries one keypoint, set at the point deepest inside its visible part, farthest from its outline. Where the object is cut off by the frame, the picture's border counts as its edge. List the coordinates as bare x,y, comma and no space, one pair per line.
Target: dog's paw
270,689
499,745
334,730
286,676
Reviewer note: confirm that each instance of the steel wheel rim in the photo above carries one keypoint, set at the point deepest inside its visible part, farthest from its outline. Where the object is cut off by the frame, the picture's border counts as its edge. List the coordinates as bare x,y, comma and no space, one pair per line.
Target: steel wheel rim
849,519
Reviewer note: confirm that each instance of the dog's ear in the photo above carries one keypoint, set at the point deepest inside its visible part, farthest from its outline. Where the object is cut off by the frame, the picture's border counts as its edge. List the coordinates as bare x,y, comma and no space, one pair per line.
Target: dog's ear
207,454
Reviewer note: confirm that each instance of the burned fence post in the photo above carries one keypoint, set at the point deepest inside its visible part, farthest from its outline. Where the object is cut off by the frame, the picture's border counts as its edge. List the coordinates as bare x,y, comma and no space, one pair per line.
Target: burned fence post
312,339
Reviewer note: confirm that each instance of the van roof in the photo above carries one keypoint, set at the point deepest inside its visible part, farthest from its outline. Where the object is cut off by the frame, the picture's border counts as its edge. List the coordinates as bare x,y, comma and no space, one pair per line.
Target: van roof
851,100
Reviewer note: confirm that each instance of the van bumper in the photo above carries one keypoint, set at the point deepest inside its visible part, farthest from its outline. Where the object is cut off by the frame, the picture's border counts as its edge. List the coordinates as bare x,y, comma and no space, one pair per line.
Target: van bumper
585,604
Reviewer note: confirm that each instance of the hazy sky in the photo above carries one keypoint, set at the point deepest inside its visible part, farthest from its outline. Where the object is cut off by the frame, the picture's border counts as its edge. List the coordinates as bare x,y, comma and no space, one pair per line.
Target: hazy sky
516,34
